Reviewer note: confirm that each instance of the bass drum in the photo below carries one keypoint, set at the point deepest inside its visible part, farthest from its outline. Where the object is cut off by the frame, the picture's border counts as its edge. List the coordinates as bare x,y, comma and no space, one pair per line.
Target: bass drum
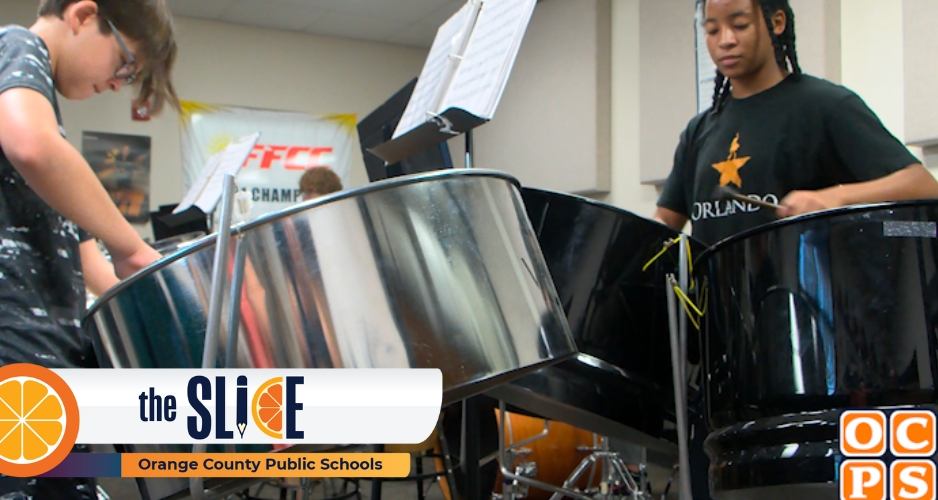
807,317
555,455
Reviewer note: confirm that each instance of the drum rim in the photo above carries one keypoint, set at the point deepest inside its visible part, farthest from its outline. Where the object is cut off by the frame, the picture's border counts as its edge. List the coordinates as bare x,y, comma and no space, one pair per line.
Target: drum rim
244,227
611,208
822,214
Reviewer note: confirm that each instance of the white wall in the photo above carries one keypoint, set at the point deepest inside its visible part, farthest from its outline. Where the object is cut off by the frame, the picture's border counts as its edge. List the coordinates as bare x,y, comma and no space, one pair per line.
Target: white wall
872,62
244,66
552,126
627,190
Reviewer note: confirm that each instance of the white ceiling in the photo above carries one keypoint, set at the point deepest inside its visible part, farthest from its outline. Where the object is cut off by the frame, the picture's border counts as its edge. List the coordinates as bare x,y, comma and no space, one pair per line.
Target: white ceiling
405,22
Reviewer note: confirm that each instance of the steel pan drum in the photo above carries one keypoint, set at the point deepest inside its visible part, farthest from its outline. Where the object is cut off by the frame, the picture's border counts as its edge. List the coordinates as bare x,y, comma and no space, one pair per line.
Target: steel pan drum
438,270
807,317
621,384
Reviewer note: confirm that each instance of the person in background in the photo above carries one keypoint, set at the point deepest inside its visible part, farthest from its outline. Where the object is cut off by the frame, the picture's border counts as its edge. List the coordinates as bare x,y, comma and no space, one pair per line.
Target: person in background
319,181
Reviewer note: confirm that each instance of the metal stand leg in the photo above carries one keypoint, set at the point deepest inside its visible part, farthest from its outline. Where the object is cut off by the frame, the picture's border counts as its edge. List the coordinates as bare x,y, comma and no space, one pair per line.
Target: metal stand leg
680,397
210,349
504,461
472,449
234,311
376,483
447,462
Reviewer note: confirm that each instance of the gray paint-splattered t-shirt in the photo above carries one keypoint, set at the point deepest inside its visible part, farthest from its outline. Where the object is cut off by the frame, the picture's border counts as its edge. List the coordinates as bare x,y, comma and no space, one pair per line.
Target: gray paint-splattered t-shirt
42,292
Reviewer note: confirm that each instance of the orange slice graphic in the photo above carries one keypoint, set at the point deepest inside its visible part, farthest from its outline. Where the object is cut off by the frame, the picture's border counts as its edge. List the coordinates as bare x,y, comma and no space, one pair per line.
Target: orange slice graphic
267,408
38,420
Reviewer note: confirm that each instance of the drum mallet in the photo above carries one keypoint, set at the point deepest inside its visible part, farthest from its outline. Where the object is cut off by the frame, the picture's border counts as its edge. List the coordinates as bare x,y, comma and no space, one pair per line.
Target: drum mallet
732,194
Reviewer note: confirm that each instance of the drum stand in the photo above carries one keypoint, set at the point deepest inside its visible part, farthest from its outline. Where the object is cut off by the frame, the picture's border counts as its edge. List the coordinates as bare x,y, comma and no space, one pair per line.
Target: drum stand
210,350
678,325
616,481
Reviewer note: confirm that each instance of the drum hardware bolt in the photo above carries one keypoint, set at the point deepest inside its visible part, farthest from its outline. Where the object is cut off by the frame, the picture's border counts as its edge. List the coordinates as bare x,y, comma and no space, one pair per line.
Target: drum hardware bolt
590,449
526,469
520,452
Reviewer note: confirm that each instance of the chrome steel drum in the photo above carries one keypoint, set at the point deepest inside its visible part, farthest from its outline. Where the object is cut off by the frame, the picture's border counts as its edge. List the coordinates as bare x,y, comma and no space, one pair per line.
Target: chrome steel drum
621,383
438,270
807,317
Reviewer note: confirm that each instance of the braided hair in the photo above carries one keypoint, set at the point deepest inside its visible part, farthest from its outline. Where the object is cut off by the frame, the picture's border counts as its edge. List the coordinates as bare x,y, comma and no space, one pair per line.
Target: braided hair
785,54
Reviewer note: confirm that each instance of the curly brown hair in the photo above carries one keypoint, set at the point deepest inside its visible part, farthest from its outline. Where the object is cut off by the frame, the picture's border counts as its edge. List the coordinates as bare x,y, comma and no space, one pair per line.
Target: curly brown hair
319,181
149,23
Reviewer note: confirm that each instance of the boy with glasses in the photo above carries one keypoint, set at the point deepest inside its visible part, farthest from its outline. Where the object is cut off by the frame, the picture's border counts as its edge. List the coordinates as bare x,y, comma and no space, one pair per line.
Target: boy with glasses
47,190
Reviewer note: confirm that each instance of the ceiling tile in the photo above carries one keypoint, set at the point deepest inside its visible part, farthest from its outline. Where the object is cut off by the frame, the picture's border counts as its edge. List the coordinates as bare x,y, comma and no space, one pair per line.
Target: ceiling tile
415,35
203,9
401,10
444,12
355,26
280,14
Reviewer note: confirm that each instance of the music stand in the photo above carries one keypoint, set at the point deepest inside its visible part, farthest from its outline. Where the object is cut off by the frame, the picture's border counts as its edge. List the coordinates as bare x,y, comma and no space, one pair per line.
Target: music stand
377,128
165,224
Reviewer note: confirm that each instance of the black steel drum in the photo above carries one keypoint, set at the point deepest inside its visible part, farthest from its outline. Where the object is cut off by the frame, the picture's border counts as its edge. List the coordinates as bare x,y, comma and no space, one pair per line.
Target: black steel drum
620,385
807,317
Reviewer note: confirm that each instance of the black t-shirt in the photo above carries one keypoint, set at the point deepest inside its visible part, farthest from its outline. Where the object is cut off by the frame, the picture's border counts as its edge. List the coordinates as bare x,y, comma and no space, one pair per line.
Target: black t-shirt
802,134
42,291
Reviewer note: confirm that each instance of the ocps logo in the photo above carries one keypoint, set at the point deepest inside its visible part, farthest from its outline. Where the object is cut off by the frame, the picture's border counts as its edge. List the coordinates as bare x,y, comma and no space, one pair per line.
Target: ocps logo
907,433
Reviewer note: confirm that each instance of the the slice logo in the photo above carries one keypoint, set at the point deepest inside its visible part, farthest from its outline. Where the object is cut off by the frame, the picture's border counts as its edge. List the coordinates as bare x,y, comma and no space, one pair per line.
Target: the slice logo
38,420
910,437
267,408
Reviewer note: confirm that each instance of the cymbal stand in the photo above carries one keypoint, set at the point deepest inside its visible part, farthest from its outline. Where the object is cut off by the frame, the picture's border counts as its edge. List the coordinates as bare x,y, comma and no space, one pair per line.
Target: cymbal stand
504,461
615,475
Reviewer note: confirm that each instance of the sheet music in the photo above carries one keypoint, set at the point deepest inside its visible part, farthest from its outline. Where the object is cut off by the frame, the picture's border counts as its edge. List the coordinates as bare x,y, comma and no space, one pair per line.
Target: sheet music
439,68
199,185
227,161
481,76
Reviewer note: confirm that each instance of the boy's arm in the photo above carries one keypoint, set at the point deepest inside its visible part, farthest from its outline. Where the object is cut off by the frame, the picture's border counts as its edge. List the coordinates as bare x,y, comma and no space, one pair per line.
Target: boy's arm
99,273
670,218
29,136
911,183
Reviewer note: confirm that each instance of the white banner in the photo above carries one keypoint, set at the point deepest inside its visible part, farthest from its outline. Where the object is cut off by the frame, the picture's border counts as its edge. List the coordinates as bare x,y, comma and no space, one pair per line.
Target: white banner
324,406
289,144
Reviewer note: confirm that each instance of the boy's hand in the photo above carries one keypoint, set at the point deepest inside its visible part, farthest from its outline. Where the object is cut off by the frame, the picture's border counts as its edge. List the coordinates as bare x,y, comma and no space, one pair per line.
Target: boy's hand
129,264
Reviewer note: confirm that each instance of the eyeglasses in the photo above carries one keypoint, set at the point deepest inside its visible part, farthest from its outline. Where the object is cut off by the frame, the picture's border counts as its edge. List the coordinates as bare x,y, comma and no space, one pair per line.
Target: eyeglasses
127,72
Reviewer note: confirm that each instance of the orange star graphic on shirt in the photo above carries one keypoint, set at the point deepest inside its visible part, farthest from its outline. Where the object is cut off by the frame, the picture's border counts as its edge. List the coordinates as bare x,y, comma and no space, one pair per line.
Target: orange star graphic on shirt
729,169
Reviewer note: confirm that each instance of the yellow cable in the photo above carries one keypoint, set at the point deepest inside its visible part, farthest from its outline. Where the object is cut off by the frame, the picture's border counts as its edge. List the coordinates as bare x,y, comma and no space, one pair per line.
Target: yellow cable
685,302
667,244
683,297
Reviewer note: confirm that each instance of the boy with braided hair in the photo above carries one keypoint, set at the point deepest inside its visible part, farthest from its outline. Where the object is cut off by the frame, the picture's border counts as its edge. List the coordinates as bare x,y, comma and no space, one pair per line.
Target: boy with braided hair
776,133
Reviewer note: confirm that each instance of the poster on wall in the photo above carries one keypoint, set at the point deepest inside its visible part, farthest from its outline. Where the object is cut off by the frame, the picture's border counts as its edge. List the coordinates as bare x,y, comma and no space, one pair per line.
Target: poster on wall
122,164
289,143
